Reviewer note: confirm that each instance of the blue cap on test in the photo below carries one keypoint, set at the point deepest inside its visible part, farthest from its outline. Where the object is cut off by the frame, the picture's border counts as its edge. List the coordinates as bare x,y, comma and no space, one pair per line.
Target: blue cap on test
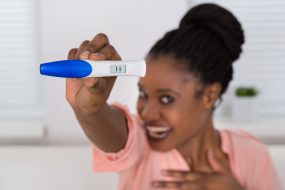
66,68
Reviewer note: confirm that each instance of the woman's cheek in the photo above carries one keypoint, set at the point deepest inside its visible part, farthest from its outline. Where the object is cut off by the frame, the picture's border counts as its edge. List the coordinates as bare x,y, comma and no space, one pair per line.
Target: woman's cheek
139,106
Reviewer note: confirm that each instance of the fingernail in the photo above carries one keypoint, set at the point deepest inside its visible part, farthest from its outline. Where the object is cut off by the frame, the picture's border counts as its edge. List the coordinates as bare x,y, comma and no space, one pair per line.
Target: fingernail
95,54
85,54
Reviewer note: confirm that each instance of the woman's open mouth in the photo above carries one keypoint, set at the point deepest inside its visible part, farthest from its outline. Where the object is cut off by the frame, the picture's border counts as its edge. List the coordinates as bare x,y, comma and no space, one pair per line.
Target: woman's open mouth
158,132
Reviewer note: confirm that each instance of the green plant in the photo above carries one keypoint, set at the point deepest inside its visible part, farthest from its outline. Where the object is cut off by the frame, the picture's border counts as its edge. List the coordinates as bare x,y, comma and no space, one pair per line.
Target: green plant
246,91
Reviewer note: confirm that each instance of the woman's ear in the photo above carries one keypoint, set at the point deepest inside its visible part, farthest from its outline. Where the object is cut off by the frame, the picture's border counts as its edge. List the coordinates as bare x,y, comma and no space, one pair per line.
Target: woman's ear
211,94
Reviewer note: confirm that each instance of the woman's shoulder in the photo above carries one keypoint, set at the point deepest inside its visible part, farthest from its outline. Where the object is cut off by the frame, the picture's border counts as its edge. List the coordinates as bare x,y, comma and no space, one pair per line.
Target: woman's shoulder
250,159
242,141
246,152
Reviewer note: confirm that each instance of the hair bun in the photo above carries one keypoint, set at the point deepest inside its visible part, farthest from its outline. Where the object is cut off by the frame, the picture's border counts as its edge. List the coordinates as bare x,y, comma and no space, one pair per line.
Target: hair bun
219,21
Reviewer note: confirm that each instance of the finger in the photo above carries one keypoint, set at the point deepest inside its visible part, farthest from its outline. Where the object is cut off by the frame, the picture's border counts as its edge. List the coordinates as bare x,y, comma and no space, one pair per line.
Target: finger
115,56
213,162
72,85
100,40
175,173
106,53
167,184
182,175
81,48
72,53
176,185
193,177
97,85
96,44
90,82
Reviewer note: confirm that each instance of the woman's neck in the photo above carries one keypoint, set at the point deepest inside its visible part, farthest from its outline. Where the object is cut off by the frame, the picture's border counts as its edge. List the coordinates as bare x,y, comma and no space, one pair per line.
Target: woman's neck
195,150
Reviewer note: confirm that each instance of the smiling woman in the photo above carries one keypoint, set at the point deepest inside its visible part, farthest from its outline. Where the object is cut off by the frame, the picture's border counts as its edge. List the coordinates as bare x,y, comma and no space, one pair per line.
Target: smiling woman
172,142
169,105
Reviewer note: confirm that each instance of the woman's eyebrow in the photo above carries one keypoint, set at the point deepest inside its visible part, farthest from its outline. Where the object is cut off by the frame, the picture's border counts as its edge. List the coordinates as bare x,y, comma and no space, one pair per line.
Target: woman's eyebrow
167,90
162,90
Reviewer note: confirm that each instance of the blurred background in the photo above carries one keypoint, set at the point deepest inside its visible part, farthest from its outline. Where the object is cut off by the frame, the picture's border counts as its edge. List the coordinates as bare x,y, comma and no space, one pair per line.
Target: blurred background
41,143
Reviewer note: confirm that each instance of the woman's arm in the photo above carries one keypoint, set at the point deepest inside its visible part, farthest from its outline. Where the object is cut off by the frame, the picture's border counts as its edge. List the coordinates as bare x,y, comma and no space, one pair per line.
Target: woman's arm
103,125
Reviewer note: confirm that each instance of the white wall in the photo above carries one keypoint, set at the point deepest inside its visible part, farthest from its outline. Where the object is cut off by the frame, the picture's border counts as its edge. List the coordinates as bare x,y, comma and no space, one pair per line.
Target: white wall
69,168
132,26
51,168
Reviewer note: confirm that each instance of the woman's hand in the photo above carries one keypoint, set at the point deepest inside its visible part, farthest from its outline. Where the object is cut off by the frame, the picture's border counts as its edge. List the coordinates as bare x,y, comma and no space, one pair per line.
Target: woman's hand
220,178
88,95
103,125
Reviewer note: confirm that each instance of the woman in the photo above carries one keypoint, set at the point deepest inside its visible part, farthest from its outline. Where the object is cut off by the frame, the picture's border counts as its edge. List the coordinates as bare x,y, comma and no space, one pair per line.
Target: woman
172,142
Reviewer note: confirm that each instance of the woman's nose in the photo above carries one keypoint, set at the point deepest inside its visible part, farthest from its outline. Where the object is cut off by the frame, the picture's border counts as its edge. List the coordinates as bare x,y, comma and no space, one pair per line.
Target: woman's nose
150,112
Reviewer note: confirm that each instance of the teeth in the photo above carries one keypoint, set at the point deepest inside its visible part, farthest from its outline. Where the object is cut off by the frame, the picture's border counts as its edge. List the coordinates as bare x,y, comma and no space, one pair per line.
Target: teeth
158,132
158,129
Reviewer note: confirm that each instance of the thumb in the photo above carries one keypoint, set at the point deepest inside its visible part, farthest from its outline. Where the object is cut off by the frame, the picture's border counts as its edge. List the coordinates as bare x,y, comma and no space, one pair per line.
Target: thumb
90,82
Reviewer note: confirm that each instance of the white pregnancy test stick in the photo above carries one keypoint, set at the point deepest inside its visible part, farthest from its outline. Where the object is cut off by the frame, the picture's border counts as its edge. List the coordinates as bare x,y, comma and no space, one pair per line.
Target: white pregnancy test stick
88,68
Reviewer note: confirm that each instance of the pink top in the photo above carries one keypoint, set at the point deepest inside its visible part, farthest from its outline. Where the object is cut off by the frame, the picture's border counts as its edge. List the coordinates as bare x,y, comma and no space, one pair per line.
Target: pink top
138,165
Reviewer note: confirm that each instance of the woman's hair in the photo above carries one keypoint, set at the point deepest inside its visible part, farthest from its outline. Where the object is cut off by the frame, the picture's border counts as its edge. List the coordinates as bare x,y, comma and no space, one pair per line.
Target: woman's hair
208,40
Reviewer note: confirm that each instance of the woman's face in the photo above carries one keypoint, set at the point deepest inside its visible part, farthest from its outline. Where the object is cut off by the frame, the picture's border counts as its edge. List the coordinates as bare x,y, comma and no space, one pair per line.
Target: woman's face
172,112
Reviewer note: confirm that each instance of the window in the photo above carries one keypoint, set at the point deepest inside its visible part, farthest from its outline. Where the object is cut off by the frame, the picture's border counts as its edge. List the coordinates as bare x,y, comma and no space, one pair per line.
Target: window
21,110
262,63
19,79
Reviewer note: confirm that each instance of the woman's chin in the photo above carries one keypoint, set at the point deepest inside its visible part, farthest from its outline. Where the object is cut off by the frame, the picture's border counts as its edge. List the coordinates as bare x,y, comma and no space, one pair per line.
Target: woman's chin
161,147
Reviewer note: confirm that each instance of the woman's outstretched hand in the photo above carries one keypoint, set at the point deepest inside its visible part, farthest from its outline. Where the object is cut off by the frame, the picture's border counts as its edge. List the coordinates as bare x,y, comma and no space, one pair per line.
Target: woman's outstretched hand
90,94
221,177
102,124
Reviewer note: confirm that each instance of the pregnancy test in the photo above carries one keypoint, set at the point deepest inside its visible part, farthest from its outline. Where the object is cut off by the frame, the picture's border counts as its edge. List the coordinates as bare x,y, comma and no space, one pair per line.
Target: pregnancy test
86,68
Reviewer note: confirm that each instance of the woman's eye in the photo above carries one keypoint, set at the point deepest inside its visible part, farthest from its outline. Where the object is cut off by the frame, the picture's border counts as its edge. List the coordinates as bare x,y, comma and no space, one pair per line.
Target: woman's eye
166,99
142,95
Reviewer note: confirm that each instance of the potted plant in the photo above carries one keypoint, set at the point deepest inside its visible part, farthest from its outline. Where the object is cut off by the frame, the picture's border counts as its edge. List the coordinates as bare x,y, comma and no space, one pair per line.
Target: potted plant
244,107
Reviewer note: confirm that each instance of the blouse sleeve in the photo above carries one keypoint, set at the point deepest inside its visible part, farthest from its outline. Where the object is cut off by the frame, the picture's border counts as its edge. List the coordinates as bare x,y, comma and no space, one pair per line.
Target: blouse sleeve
128,156
268,178
253,160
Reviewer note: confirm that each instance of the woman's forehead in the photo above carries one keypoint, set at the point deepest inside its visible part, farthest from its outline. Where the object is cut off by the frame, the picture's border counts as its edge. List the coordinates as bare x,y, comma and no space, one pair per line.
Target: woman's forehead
166,66
164,72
